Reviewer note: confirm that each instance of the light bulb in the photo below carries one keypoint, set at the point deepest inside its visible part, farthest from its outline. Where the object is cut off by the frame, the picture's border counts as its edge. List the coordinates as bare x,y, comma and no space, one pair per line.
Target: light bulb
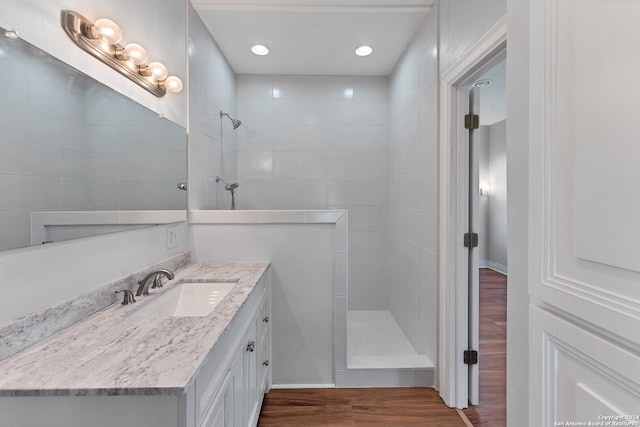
108,30
364,50
260,49
172,84
158,71
136,53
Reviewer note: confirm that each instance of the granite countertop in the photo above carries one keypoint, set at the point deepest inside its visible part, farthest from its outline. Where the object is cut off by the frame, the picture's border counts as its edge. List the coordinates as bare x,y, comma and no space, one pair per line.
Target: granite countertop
111,353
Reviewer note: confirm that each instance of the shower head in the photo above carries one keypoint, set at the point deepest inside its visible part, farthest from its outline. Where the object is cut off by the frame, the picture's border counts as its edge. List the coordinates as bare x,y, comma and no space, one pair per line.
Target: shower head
227,186
236,123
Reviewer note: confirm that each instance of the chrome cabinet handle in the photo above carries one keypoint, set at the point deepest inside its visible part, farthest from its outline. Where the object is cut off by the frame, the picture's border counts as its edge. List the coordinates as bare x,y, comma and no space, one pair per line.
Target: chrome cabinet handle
251,346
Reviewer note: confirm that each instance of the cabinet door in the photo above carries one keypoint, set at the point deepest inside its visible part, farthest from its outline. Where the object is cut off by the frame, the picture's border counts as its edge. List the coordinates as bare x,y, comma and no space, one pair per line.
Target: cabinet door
237,380
220,414
251,376
217,416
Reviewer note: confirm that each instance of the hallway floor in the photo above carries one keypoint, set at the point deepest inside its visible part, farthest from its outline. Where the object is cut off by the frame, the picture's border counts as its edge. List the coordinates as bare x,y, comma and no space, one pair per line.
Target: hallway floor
408,406
492,410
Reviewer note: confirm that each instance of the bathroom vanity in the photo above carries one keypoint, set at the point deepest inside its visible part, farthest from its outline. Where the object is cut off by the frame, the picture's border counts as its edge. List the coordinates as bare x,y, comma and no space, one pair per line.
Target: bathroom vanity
127,365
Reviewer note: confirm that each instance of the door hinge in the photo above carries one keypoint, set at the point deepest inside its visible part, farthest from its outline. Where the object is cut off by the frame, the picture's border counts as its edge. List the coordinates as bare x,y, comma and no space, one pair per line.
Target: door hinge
470,240
470,357
471,121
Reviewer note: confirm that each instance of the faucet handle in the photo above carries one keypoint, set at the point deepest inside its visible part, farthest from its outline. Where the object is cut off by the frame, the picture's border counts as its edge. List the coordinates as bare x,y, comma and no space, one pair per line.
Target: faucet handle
128,296
157,282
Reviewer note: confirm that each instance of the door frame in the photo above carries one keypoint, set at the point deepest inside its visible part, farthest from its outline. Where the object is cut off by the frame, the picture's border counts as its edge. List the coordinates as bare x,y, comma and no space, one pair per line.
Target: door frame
453,301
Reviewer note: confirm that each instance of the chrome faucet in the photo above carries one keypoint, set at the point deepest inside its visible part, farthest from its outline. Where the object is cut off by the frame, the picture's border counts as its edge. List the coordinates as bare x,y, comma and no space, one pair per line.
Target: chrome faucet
143,289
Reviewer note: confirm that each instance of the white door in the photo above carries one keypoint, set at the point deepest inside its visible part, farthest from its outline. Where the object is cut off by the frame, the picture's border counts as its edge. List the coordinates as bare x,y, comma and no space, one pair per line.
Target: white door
585,209
473,276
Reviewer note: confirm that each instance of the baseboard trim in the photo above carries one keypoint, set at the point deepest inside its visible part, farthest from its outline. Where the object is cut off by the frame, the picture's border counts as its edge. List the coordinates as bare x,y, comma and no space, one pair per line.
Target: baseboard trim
289,386
503,269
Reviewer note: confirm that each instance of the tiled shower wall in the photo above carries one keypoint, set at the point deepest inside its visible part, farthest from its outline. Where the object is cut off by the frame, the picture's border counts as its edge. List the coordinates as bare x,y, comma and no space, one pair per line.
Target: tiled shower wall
412,177
320,142
70,143
212,140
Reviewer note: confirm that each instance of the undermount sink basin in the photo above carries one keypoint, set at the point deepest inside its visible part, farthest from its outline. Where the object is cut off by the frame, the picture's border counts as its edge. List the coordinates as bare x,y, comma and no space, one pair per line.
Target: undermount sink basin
186,299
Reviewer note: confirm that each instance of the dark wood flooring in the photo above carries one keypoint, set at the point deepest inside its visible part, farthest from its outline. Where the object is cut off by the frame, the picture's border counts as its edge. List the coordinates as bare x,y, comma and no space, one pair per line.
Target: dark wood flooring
400,407
411,406
492,410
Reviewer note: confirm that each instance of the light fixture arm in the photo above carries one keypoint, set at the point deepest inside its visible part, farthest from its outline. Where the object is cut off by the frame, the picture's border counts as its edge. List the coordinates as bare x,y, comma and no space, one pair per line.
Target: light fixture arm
78,28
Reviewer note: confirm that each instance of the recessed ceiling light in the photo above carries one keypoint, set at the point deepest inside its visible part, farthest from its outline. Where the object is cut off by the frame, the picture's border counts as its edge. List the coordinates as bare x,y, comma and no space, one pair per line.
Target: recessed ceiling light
364,50
12,34
259,49
482,83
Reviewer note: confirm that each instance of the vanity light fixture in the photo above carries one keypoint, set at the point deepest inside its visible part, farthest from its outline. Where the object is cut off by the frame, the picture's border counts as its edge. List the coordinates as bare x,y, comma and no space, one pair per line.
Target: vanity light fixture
364,50
260,49
101,39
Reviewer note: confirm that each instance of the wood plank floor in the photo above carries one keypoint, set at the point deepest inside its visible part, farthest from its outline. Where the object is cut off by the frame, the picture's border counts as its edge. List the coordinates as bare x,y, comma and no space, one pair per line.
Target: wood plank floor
400,407
492,410
413,406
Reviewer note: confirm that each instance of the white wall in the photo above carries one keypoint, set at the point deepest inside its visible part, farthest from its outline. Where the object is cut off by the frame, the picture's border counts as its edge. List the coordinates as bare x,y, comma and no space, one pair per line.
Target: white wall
319,142
412,176
493,208
302,277
462,23
481,139
497,236
160,26
212,140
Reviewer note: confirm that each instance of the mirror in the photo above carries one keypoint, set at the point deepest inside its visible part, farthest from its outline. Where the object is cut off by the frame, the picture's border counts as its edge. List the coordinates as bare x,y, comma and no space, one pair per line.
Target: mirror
76,157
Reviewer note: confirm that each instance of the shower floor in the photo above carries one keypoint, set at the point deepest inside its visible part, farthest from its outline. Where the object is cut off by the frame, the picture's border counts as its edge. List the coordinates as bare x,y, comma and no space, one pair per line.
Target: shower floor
375,340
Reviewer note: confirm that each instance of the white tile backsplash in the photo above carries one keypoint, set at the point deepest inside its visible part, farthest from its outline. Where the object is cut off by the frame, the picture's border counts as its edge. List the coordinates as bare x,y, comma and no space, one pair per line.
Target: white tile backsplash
13,121
12,191
326,141
412,198
339,192
340,165
255,165
304,165
340,112
14,158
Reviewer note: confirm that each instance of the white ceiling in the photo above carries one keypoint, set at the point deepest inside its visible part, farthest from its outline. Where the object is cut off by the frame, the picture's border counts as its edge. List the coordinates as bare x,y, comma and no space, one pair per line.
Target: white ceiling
313,36
493,98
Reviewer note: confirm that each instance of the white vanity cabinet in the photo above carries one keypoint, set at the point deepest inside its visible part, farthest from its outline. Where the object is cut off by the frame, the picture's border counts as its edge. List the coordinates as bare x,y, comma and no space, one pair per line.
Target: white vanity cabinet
238,399
226,389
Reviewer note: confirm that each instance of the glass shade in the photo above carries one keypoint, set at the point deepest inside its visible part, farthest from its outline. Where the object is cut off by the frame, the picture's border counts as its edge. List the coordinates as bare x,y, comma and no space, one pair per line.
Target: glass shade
108,30
173,84
158,71
136,53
